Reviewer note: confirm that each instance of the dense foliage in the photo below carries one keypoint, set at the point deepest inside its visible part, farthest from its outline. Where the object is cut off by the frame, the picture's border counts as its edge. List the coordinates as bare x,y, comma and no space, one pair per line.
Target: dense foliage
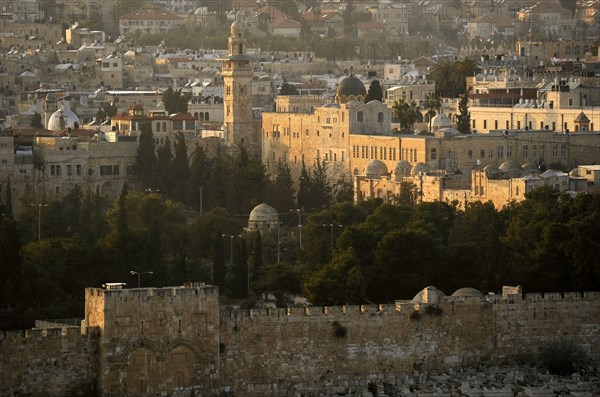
349,253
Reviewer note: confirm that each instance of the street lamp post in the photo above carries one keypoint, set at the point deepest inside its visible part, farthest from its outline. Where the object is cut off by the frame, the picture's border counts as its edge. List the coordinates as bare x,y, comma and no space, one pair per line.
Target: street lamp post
231,236
39,205
133,272
331,226
299,211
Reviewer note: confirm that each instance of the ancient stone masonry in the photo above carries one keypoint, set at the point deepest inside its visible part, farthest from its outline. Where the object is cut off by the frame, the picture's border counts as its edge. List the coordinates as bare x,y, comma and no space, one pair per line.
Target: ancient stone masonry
140,342
49,362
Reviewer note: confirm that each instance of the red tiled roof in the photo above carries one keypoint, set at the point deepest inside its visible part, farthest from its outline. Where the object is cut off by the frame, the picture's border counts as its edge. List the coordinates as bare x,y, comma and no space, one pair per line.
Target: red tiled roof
182,116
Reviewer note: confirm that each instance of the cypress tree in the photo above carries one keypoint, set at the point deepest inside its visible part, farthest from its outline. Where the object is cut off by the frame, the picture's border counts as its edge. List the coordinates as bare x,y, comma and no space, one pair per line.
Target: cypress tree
145,159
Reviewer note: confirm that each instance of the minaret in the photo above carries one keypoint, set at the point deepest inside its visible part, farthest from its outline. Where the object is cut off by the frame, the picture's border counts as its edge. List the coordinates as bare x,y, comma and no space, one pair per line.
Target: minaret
238,126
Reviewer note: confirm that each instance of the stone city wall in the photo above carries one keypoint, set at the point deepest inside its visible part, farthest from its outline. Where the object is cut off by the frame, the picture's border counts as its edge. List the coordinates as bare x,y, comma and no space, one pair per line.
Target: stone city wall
278,350
56,362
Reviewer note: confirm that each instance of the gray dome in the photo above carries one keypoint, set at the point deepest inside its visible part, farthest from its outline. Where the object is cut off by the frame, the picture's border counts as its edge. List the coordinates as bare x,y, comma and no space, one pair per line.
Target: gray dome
446,132
376,169
351,85
430,295
508,166
402,168
468,292
530,167
419,168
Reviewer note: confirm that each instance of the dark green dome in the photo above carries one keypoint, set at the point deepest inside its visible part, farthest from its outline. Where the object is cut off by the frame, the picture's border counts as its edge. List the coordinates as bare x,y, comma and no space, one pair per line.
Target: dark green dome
351,86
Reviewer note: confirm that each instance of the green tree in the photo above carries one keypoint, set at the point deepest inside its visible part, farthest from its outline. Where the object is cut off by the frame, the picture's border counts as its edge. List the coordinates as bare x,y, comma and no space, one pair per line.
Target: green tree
431,105
375,92
180,171
288,89
175,101
11,261
8,202
407,114
36,121
145,159
164,168
464,116
199,174
304,187
282,191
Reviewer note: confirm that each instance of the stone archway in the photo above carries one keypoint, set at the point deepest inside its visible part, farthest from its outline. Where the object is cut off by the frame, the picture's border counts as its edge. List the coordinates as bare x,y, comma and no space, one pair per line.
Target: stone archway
142,373
179,367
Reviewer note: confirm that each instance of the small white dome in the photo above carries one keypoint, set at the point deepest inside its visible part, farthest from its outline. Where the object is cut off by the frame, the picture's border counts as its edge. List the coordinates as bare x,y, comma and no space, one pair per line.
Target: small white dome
440,121
63,118
263,216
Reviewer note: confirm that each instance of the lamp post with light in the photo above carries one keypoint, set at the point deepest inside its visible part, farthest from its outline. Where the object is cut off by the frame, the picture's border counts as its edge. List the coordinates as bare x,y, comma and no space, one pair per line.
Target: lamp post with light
39,205
133,272
331,226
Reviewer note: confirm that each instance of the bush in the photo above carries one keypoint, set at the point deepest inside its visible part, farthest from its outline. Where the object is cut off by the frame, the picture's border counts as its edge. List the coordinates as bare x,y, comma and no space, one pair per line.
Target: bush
563,357
433,310
339,330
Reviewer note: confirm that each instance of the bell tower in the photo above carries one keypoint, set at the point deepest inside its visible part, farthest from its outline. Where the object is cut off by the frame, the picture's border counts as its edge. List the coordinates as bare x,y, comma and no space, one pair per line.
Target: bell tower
238,125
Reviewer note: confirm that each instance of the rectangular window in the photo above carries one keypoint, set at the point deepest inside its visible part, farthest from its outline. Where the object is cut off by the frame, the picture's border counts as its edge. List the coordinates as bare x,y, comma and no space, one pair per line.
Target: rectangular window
542,151
534,152
519,125
69,170
52,169
495,124
509,152
433,155
500,153
491,153
525,151
482,154
470,154
563,150
58,170
129,169
484,124
473,123
554,150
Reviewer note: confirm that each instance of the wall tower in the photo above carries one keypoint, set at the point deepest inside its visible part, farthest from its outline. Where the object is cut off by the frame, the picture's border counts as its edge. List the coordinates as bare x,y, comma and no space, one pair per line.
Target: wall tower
238,127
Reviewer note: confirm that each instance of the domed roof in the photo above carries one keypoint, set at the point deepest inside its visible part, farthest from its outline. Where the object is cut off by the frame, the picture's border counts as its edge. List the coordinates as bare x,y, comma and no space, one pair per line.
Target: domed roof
491,169
376,169
430,295
419,168
508,166
351,85
468,292
263,213
530,167
440,121
236,28
402,167
446,132
63,118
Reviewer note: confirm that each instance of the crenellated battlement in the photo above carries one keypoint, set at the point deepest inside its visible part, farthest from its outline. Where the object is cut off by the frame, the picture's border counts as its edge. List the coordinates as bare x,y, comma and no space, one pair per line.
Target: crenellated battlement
62,334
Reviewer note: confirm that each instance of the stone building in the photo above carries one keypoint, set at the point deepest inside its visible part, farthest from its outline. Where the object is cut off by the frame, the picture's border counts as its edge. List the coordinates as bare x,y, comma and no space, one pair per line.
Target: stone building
297,134
239,128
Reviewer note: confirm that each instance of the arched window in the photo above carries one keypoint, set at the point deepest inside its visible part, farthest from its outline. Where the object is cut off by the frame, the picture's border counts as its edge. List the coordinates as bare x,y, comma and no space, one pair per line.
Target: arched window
201,116
576,50
206,116
142,384
157,126
196,115
164,126
568,50
359,117
380,117
179,380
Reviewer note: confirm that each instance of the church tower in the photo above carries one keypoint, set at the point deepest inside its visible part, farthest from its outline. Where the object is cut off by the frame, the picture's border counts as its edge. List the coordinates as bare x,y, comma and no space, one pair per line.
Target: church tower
239,128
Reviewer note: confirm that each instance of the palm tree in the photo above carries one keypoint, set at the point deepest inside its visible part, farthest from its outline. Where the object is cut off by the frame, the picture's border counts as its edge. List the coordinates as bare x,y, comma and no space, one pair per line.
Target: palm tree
432,105
407,114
